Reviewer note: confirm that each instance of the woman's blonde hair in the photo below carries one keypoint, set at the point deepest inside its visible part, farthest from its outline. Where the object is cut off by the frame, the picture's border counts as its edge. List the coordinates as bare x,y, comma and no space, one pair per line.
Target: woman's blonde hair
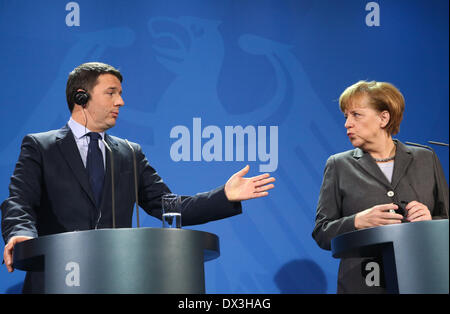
382,96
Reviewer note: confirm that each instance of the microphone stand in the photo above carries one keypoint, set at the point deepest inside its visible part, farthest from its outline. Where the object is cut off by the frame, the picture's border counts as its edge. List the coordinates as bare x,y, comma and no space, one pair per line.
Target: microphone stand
135,183
113,204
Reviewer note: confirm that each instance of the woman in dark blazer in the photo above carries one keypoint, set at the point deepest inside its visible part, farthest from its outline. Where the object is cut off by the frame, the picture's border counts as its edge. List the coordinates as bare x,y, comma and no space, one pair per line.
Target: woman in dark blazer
362,187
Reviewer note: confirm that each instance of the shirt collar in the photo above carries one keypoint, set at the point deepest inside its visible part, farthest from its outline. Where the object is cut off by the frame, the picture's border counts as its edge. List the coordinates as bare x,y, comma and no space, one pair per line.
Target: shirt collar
79,130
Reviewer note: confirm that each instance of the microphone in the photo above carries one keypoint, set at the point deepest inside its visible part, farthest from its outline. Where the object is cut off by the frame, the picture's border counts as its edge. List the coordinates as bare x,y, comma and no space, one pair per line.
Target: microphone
438,143
135,183
420,145
113,204
431,142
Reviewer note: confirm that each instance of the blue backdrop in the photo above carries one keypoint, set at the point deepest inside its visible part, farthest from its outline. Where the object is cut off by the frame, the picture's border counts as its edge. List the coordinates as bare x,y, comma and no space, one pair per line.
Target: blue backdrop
194,71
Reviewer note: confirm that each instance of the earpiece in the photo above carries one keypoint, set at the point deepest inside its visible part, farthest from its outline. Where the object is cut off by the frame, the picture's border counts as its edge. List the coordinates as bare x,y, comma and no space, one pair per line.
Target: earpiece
81,98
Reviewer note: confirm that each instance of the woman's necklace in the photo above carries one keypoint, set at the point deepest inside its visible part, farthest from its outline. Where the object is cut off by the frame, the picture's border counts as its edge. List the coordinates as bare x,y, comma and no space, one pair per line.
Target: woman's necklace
388,158
385,159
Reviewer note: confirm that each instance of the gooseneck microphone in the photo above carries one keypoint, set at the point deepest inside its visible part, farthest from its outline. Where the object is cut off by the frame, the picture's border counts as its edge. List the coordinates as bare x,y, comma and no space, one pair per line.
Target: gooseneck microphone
420,145
135,182
438,143
431,142
113,203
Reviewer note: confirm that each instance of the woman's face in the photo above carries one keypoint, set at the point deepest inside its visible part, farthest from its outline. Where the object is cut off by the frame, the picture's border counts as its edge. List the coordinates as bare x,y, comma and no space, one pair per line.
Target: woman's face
365,125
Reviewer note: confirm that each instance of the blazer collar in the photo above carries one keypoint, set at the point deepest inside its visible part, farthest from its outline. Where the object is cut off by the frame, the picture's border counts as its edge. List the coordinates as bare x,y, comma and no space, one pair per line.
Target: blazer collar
403,159
69,150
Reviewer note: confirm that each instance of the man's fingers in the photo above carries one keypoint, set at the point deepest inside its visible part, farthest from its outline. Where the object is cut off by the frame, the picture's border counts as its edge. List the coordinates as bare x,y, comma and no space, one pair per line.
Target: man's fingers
9,247
243,171
7,256
264,181
259,194
9,267
260,177
264,188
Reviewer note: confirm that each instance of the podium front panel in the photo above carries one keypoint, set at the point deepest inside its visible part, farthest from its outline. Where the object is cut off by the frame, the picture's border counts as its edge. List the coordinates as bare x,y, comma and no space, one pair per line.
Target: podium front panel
144,260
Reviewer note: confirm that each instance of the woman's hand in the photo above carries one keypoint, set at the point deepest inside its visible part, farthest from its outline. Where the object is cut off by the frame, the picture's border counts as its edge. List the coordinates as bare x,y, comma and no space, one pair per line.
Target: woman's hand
378,215
417,211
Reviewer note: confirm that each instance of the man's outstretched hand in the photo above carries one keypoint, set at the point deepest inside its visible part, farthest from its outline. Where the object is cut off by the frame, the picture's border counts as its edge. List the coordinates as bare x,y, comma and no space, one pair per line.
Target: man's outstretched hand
239,188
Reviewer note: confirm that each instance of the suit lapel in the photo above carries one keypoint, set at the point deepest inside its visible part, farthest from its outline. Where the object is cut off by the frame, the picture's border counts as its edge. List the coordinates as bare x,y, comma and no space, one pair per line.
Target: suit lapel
403,159
366,162
70,152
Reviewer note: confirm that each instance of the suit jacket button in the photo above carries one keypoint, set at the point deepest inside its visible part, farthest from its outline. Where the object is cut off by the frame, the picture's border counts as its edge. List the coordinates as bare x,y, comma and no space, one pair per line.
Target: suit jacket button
390,193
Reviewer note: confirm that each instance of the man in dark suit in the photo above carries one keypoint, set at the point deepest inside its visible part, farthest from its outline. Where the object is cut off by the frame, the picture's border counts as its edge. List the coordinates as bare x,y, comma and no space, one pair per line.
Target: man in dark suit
62,180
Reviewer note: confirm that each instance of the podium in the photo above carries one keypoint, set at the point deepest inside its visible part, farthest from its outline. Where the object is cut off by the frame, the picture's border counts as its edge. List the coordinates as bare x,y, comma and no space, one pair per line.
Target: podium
415,255
143,260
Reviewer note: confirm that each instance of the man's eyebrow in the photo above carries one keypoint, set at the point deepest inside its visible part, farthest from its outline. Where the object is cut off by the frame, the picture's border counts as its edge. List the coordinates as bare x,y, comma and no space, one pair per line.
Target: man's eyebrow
114,88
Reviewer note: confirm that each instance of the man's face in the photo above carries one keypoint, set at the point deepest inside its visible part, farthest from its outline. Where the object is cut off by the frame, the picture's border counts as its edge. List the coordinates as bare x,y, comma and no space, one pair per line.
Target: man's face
103,106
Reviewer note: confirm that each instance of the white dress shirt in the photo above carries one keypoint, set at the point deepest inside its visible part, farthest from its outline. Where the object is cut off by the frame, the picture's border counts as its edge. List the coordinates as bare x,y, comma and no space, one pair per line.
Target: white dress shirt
79,132
387,168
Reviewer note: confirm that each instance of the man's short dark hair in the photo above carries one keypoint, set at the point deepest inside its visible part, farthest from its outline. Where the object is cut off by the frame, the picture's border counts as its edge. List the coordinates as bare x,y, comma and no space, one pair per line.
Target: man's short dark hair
85,77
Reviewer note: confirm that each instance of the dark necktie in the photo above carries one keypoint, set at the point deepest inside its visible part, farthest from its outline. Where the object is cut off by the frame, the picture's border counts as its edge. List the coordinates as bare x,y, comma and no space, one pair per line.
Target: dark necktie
94,166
